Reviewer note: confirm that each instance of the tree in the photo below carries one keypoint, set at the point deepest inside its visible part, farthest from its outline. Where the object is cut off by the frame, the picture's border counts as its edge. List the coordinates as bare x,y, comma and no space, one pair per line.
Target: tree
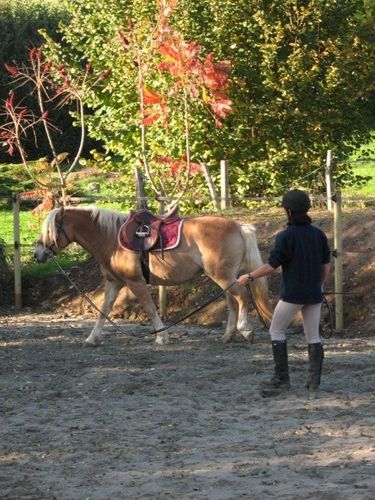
302,82
19,25
52,87
169,83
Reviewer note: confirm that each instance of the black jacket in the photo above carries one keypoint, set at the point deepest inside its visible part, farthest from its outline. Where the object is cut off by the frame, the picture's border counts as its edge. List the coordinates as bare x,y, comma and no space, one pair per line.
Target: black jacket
300,250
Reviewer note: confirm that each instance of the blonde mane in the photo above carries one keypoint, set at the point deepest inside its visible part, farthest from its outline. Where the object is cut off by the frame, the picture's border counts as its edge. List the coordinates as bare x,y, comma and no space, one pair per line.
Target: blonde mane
108,220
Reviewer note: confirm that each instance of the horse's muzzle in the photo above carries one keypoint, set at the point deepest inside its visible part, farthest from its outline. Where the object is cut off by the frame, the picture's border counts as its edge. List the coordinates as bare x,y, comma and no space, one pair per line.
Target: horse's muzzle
42,254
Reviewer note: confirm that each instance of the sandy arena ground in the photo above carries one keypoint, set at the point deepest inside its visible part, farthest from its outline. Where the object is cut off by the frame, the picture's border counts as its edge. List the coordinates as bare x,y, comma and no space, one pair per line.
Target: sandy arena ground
133,420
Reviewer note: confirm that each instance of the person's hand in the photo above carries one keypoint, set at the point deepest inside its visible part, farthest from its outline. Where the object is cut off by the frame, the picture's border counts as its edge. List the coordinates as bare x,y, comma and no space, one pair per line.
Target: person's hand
244,279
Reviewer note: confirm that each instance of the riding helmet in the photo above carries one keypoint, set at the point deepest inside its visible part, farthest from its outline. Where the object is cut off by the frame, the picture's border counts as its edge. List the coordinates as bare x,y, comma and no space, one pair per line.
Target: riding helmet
296,200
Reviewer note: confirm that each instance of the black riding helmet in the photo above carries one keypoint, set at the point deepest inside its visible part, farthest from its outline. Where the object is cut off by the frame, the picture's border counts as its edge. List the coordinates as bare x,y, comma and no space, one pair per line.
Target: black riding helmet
296,200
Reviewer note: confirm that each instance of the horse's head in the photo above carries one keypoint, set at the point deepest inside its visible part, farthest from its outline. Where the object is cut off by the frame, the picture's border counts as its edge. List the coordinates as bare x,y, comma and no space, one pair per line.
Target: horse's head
55,235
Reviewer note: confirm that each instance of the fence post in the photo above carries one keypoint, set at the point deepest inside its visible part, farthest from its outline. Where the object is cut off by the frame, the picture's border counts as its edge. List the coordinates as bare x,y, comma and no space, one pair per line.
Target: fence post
337,220
17,251
329,179
163,299
224,184
140,189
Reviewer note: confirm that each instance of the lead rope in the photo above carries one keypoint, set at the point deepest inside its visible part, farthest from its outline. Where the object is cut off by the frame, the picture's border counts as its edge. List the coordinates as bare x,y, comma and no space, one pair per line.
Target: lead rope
255,306
210,301
87,298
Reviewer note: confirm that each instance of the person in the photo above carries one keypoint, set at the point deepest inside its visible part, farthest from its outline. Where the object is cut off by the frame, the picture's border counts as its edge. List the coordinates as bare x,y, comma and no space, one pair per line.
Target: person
303,253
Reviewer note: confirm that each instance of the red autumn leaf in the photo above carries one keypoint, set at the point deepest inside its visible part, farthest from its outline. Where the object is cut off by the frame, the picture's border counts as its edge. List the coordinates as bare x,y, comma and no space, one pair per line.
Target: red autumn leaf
9,102
169,52
218,123
151,97
178,165
33,54
11,69
47,65
215,74
22,113
195,168
150,119
221,107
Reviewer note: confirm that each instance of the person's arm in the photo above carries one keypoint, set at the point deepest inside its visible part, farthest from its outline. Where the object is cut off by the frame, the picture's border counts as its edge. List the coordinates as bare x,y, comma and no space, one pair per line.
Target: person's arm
264,270
325,273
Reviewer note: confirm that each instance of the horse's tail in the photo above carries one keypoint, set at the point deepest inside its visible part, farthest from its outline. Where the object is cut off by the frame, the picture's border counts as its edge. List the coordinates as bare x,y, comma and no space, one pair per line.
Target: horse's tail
252,259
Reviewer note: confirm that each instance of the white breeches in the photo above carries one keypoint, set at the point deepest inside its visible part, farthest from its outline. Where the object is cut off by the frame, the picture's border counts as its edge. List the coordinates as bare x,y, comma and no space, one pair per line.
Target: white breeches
285,313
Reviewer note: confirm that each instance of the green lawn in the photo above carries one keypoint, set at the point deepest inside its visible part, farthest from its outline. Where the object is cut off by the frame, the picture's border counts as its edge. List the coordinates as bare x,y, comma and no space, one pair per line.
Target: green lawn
363,163
364,169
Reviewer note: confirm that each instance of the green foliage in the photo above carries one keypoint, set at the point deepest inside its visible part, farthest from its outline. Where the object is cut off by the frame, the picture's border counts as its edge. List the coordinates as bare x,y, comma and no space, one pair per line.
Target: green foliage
302,83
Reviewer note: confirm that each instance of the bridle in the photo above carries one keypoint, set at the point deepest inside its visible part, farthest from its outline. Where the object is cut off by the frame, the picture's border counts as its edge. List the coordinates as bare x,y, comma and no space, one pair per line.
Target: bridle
59,230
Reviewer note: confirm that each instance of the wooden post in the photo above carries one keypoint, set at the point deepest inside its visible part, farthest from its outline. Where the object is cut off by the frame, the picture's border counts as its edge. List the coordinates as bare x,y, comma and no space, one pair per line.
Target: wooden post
211,187
140,188
163,298
224,185
17,251
337,219
329,179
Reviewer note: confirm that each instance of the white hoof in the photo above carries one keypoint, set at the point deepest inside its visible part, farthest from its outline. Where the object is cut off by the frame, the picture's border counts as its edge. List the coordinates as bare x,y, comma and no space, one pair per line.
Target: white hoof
248,335
162,339
91,342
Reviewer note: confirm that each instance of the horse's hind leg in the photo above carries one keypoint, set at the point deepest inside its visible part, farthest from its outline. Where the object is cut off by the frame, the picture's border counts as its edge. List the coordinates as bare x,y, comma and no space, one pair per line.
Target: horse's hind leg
111,290
232,317
140,290
242,296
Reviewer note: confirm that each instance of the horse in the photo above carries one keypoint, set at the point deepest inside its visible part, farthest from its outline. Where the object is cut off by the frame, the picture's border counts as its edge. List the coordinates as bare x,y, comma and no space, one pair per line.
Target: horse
217,246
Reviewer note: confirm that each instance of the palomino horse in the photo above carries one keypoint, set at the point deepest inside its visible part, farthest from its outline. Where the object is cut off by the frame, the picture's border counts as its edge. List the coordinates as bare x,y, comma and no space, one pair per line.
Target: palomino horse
220,247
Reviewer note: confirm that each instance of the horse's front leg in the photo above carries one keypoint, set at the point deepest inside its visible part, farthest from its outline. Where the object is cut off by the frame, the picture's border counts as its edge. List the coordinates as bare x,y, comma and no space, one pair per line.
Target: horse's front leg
140,290
111,290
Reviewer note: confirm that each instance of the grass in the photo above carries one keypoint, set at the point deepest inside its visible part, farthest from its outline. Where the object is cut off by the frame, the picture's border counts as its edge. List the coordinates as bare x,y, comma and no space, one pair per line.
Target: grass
363,163
364,169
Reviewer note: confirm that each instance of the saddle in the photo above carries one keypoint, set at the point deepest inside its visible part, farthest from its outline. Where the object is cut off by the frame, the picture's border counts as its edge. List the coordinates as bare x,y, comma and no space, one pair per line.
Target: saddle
141,230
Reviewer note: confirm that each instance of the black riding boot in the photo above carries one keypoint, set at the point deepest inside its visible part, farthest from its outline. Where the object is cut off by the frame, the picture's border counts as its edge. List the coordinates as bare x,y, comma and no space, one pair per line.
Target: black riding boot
316,356
280,381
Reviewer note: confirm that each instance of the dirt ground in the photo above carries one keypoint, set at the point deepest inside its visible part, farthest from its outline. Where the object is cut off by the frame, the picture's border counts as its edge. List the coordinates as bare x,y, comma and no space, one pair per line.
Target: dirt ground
134,420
